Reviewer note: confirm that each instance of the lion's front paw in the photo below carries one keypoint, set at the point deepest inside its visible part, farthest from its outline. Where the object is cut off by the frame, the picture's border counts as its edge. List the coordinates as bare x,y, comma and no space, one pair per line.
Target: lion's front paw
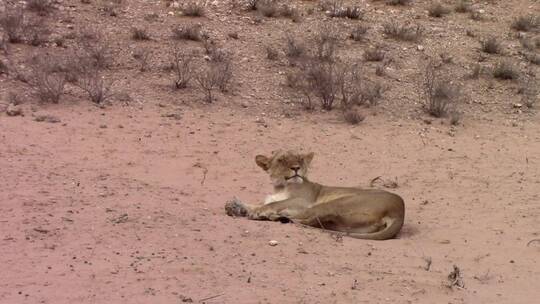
235,207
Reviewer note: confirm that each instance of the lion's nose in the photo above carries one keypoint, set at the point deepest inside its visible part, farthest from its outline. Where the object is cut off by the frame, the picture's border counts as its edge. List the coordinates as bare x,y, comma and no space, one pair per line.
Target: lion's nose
295,168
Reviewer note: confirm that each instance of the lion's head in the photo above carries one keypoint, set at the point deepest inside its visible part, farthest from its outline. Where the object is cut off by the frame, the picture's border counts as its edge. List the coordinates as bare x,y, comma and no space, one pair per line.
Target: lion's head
285,167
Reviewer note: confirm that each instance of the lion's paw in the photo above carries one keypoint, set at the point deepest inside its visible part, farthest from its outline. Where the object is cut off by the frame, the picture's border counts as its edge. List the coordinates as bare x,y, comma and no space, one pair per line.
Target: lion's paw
235,207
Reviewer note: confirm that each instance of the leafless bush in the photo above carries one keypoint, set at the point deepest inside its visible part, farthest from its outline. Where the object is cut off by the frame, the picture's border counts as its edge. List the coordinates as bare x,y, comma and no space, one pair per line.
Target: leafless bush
526,23
193,9
188,32
13,22
207,79
271,52
97,52
183,68
505,70
530,43
491,45
41,7
398,2
438,10
138,33
268,8
346,12
97,88
463,6
370,93
476,71
441,94
403,31
352,116
222,65
47,78
290,12
325,44
294,49
143,57
359,32
37,32
533,58
324,80
374,54
530,91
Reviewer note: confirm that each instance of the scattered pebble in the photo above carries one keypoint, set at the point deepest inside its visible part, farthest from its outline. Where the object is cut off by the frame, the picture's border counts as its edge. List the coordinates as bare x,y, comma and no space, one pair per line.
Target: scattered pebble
273,243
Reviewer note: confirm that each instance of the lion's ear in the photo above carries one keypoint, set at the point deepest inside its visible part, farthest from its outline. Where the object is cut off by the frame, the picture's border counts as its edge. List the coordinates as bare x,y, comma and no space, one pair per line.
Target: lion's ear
308,157
263,162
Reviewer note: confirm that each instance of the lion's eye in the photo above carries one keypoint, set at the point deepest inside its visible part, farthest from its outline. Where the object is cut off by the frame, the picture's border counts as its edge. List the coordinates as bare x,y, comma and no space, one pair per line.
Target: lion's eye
281,161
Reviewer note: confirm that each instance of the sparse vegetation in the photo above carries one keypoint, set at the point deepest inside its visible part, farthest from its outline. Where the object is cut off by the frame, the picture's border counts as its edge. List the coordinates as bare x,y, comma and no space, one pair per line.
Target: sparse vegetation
438,10
533,58
138,33
352,116
441,93
143,57
505,70
182,66
526,23
491,45
398,2
374,54
403,32
346,12
97,88
267,8
294,49
271,53
193,9
47,78
463,6
530,43
188,32
359,33
12,21
41,7
530,92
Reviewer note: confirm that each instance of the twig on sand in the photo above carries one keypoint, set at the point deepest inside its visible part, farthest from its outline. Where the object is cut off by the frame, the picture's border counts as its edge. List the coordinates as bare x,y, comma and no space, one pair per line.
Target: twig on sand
210,298
205,171
532,241
455,279
318,220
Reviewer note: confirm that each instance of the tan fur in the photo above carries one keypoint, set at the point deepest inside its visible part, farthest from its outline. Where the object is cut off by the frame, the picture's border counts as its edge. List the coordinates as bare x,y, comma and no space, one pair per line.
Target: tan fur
360,213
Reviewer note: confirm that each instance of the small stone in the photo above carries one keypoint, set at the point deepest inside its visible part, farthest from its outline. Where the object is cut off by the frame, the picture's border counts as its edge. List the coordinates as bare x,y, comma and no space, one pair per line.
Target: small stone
13,110
420,47
518,105
273,243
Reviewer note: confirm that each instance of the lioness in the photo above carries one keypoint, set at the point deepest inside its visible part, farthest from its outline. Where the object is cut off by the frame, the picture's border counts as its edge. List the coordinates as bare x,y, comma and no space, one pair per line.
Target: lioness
360,213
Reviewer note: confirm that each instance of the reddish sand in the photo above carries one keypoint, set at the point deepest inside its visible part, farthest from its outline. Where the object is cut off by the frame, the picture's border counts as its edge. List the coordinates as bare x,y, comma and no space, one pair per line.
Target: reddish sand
123,205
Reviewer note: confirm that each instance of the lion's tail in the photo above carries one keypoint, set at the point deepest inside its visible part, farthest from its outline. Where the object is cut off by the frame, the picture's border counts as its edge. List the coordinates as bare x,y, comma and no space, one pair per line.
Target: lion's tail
393,226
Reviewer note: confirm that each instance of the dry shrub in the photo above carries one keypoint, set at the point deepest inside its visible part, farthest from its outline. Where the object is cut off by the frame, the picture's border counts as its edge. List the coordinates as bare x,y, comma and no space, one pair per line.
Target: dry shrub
138,33
533,58
37,32
47,78
193,9
96,86
290,12
216,74
188,32
271,52
183,67
526,23
506,70
398,2
359,33
143,57
294,49
41,7
352,116
530,91
323,77
325,44
463,6
441,94
374,54
13,23
403,32
491,45
438,10
268,8
530,43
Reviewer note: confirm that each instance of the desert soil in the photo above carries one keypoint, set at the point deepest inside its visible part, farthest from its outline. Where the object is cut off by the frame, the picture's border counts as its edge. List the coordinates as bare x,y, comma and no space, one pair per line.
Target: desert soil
124,203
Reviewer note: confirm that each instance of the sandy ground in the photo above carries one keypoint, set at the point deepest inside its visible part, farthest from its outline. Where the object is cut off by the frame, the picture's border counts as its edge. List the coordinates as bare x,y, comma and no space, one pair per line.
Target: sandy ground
123,205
